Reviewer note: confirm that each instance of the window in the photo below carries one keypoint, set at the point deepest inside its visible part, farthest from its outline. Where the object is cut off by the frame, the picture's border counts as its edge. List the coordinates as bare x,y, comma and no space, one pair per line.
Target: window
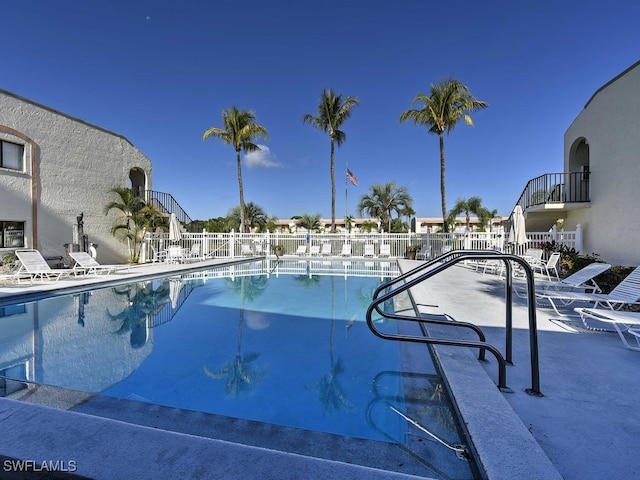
11,155
11,234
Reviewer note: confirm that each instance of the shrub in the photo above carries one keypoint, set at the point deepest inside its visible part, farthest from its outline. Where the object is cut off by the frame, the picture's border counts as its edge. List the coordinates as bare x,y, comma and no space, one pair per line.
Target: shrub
570,259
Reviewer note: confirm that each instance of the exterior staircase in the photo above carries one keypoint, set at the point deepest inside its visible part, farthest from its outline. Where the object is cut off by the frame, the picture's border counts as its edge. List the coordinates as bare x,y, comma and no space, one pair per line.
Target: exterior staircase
167,204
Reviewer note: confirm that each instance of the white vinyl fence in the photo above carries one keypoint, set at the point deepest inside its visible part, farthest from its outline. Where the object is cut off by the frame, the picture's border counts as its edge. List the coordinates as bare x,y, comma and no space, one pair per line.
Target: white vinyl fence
233,245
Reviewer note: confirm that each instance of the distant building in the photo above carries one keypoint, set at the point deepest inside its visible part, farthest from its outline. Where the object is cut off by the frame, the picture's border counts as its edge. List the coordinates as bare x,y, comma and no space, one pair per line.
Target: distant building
53,167
422,224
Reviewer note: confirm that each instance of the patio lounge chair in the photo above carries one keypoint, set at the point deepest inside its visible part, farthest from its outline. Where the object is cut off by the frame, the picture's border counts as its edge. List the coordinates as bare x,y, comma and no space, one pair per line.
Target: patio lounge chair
85,263
34,265
246,250
326,250
549,266
369,251
314,250
423,253
385,250
621,321
194,252
346,250
302,250
625,293
582,280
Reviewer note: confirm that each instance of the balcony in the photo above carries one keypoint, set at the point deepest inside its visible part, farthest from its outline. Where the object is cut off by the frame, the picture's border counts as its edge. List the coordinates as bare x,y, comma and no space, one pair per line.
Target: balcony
548,197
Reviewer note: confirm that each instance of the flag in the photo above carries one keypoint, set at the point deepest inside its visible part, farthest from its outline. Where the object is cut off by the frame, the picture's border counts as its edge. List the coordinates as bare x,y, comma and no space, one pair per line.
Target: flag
352,178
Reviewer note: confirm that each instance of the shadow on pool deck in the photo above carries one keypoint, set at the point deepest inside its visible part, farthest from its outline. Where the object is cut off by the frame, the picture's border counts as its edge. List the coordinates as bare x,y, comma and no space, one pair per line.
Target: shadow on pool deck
586,423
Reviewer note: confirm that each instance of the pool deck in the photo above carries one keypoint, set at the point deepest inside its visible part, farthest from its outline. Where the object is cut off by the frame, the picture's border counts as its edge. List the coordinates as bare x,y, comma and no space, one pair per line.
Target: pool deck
584,427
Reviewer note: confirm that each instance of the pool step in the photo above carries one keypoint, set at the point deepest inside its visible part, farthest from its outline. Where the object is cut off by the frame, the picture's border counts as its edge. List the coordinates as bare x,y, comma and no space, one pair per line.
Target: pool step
103,448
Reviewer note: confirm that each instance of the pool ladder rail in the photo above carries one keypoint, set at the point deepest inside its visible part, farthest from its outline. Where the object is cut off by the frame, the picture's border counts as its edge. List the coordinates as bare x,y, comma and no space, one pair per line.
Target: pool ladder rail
404,282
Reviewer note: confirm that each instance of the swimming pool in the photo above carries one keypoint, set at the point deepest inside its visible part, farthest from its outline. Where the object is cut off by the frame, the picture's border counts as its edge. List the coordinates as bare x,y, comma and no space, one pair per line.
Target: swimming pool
282,343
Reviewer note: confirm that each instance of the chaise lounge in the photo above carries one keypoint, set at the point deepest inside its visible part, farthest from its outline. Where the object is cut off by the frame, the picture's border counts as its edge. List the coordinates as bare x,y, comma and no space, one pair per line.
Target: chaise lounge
33,264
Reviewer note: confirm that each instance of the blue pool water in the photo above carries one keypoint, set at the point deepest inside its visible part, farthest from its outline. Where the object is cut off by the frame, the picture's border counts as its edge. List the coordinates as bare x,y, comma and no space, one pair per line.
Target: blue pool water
284,344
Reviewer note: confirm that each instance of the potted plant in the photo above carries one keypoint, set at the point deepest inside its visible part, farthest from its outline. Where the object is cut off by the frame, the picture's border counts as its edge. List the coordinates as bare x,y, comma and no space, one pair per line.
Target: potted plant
278,250
411,251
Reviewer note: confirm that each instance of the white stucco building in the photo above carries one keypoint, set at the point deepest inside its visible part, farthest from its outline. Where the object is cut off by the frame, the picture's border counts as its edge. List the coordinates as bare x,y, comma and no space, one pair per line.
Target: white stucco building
53,167
599,188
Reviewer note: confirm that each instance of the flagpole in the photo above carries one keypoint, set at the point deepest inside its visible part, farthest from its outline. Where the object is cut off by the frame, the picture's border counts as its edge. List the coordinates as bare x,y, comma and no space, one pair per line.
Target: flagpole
346,195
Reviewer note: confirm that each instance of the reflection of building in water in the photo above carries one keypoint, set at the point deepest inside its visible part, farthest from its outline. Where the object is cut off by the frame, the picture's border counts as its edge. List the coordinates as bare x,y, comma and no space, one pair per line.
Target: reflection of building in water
45,344
88,341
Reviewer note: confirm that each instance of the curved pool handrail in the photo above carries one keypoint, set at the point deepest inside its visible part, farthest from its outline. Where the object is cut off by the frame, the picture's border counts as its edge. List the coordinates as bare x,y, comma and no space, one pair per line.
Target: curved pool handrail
453,258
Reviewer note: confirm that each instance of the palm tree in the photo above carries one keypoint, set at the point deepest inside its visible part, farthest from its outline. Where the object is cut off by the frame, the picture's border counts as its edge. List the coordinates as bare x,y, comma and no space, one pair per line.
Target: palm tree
132,218
332,113
309,222
466,206
486,216
449,102
240,131
254,216
383,200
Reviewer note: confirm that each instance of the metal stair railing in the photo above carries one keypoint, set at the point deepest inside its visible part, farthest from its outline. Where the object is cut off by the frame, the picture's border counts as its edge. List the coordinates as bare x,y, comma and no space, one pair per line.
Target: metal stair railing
441,263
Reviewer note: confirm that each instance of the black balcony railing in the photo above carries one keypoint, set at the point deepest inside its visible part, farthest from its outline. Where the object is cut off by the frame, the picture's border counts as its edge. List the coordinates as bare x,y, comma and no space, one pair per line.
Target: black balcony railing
167,205
550,188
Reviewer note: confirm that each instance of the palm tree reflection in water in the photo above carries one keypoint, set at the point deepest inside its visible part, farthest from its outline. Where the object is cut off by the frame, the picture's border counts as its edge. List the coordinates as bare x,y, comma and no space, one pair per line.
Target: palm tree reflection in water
143,301
241,374
331,392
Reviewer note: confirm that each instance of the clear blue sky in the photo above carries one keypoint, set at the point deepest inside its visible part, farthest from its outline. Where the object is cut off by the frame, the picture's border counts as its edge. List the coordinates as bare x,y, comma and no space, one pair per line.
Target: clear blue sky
160,72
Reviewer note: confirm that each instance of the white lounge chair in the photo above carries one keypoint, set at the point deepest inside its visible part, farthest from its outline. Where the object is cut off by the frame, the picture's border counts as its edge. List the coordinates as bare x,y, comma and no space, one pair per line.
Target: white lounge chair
369,251
246,250
346,250
621,321
385,250
550,265
582,280
326,250
314,250
85,263
33,264
423,253
302,250
625,293
194,252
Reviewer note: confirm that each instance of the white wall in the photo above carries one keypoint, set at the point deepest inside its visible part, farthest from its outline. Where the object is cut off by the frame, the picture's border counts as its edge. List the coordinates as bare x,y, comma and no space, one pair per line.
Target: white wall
610,123
76,165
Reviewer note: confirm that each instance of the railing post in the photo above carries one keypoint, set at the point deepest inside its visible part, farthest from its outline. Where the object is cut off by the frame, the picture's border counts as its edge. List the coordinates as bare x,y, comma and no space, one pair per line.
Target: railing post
232,244
578,245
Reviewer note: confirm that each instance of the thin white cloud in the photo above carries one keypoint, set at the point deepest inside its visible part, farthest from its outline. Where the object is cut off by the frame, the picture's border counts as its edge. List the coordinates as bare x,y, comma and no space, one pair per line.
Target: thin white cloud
262,158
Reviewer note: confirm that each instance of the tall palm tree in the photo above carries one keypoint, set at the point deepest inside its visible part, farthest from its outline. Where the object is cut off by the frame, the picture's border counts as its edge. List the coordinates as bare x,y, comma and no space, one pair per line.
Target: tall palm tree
450,101
466,206
240,131
383,200
332,113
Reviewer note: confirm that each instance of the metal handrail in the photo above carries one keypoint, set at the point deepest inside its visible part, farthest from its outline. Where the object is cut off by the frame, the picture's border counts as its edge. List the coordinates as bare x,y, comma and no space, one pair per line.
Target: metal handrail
449,259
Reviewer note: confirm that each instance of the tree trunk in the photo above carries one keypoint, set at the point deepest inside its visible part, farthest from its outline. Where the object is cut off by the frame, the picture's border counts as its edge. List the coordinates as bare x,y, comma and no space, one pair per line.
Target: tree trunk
442,186
241,192
333,190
